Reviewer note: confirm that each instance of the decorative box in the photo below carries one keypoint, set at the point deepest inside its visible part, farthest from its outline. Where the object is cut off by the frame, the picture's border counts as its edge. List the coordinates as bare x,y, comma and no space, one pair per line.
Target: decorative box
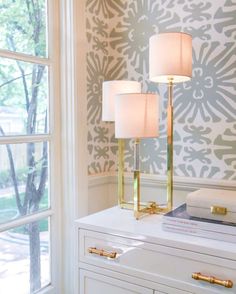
212,204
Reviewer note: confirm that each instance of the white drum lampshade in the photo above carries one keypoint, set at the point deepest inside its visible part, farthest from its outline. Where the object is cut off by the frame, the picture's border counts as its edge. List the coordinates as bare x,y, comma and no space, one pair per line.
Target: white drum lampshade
136,116
170,57
109,90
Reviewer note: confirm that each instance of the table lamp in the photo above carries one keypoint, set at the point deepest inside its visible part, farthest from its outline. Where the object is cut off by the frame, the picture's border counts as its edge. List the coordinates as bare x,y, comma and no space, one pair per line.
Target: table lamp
170,61
109,90
137,116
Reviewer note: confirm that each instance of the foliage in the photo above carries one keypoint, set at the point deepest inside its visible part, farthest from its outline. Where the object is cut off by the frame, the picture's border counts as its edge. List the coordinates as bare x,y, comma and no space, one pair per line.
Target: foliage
23,29
9,207
21,176
23,26
6,180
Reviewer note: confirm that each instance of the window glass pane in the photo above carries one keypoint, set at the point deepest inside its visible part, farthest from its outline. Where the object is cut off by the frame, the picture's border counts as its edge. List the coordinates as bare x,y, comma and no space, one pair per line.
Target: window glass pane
23,26
23,180
23,98
24,258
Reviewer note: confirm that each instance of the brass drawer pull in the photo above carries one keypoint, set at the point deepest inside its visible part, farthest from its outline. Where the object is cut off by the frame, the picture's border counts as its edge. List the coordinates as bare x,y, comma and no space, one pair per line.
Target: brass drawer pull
212,280
101,252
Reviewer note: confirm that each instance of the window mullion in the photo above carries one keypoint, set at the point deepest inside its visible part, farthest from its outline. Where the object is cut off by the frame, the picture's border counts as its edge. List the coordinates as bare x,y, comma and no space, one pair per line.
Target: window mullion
24,139
25,220
25,57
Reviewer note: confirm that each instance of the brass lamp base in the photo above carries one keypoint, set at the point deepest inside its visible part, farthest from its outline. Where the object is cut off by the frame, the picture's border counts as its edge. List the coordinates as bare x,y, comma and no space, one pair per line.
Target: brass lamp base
150,208
140,209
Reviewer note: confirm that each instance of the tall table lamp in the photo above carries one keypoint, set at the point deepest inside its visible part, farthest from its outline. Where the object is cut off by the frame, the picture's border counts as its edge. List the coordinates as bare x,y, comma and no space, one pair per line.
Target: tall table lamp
170,61
137,116
109,91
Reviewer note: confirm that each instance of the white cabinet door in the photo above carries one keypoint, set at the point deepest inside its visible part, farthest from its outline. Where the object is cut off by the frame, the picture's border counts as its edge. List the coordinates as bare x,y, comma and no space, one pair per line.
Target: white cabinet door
93,283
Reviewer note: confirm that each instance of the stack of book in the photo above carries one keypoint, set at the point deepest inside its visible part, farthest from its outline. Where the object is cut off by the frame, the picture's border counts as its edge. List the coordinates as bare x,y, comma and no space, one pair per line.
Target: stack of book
178,221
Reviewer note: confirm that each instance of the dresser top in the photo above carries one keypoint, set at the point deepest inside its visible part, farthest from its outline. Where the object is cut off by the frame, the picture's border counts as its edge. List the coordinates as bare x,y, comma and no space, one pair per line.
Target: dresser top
121,222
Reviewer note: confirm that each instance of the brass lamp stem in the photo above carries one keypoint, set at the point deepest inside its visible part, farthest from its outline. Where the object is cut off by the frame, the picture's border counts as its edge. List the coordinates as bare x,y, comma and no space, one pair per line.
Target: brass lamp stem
136,179
170,146
121,199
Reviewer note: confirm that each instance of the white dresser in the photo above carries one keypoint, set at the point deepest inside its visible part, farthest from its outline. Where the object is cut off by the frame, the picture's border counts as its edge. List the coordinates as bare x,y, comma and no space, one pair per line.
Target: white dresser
119,255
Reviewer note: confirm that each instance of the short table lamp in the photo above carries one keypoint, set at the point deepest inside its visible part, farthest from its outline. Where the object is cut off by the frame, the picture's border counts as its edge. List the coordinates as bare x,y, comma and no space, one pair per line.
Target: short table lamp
109,91
137,116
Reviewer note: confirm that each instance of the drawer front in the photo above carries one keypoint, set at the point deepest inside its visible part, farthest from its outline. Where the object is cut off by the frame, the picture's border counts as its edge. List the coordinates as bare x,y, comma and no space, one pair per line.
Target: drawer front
172,291
92,283
171,266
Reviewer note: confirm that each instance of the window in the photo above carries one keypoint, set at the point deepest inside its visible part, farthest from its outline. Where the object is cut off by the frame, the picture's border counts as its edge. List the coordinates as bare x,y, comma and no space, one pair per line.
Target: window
29,145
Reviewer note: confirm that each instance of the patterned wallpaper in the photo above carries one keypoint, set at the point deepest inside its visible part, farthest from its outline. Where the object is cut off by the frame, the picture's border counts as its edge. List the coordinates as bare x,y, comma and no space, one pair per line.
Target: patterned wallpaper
204,109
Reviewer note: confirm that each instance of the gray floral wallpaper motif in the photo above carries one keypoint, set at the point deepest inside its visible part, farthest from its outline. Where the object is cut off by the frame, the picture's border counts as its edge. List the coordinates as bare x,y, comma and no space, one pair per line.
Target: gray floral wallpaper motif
118,34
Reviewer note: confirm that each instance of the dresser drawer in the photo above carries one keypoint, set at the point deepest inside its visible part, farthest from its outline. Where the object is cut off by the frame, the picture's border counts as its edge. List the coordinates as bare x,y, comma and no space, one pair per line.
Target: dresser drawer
92,283
162,264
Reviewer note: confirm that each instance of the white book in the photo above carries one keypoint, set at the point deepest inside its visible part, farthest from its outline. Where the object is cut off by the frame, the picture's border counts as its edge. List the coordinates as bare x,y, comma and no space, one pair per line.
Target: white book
179,218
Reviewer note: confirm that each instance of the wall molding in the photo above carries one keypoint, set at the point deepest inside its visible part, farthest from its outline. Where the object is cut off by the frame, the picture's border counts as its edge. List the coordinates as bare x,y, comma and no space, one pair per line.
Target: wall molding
148,180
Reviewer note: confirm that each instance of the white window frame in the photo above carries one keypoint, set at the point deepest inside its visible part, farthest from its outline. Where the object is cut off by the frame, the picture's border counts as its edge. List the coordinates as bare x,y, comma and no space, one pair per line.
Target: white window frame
68,125
54,139
74,132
